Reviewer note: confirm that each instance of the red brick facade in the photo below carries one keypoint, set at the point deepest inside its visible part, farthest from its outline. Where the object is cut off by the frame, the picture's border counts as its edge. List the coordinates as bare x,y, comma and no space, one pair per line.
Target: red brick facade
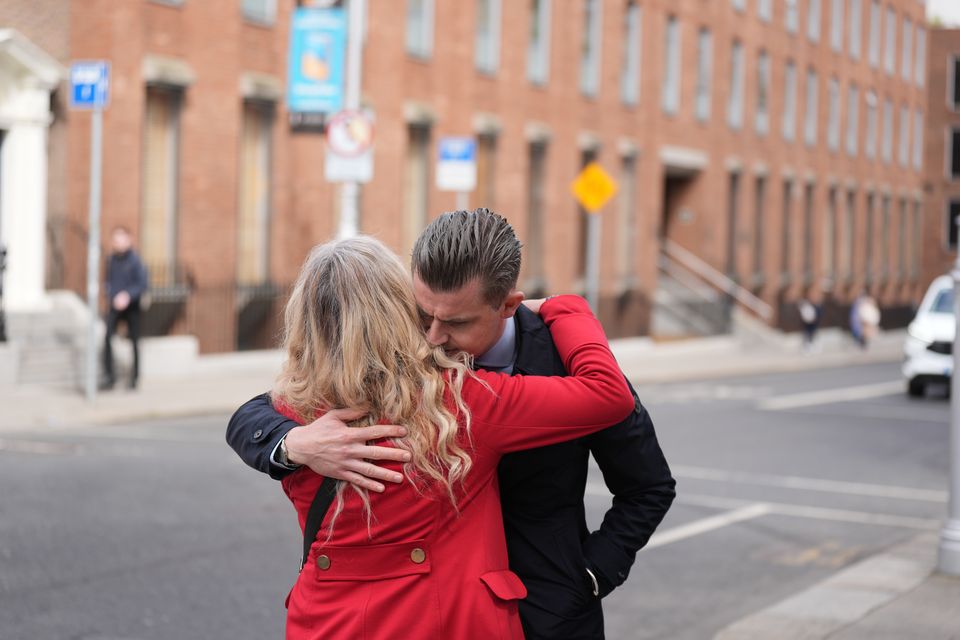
219,47
939,256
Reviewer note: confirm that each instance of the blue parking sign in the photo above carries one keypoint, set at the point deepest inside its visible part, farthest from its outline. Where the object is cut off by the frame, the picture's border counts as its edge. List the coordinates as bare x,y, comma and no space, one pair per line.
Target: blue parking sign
89,84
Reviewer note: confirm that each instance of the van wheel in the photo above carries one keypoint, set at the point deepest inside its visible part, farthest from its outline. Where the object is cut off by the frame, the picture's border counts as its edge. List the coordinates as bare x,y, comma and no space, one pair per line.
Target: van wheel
915,388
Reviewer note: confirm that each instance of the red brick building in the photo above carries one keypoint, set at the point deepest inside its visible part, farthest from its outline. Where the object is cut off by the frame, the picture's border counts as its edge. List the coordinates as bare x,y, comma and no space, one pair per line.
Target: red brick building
942,160
775,141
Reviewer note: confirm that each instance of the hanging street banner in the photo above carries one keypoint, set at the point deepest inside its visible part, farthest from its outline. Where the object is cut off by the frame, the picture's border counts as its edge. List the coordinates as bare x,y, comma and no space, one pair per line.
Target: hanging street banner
315,78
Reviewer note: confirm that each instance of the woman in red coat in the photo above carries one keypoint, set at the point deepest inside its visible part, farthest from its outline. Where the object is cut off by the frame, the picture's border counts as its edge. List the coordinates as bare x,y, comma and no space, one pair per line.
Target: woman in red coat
426,559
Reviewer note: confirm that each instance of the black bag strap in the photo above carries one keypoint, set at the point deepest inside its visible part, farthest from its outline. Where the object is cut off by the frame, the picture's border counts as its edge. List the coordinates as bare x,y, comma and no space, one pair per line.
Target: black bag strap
318,509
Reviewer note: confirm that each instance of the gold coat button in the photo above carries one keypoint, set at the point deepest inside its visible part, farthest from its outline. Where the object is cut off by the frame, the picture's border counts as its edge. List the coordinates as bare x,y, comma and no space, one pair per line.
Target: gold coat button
323,562
418,555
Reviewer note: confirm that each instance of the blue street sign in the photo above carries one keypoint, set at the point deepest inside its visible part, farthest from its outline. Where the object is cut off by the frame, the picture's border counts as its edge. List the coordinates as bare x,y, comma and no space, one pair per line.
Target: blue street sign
458,149
89,84
318,42
457,166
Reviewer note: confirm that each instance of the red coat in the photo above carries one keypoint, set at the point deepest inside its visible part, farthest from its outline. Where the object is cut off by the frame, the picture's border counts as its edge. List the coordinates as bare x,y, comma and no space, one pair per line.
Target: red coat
426,572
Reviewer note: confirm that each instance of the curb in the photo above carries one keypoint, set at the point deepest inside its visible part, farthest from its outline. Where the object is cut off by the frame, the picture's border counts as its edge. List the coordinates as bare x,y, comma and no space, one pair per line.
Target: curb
844,598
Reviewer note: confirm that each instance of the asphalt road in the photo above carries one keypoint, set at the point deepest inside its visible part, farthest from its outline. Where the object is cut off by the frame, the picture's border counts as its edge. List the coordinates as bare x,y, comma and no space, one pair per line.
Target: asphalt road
157,531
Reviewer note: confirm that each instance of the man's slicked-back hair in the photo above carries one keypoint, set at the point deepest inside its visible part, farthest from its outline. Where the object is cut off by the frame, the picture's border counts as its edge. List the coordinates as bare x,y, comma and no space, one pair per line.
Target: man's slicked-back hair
462,245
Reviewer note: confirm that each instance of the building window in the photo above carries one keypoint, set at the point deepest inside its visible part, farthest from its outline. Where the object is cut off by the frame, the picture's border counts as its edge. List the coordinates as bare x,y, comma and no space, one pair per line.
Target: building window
917,240
416,187
870,146
630,69
485,193
538,49
808,192
765,10
260,11
869,240
790,102
920,59
419,32
813,21
586,157
884,238
829,235
887,144
733,213
890,47
833,114
739,5
704,73
161,168
735,103
671,67
953,223
853,120
856,28
810,115
792,15
953,157
918,140
763,94
906,49
627,235
253,241
487,37
953,83
590,49
903,154
849,236
760,201
786,232
903,223
836,25
873,54
537,161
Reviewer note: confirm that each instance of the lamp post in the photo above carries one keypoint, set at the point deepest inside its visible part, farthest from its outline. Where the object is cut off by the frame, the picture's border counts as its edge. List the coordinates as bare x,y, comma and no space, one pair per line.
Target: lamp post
350,191
949,557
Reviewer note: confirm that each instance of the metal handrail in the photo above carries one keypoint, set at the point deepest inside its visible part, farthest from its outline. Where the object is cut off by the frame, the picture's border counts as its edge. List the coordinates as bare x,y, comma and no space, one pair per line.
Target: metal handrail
716,279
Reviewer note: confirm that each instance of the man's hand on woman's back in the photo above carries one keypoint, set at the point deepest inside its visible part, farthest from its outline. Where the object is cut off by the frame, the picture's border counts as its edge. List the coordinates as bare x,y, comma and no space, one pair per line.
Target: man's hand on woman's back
332,448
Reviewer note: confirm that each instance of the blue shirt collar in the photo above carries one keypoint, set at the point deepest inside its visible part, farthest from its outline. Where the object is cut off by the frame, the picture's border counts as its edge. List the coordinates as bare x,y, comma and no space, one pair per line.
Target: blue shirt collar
502,355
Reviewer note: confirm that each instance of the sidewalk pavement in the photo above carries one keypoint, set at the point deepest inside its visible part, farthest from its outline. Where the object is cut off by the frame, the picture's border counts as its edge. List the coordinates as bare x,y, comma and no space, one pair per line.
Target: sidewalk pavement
218,384
895,595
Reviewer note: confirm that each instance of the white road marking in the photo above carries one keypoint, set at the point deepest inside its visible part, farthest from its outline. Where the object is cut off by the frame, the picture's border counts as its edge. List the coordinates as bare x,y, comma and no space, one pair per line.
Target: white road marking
36,447
828,396
817,513
811,484
743,510
706,525
882,412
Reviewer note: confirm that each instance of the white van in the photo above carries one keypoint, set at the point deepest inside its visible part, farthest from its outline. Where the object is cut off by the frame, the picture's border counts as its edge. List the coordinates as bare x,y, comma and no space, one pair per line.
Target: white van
928,351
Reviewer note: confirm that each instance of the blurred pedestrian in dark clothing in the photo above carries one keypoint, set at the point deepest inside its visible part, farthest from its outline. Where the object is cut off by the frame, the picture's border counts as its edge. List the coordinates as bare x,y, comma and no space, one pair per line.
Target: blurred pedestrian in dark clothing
810,317
125,285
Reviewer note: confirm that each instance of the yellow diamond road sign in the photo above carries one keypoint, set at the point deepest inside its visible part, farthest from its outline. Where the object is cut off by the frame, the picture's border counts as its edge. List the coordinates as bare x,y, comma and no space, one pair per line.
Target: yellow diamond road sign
593,188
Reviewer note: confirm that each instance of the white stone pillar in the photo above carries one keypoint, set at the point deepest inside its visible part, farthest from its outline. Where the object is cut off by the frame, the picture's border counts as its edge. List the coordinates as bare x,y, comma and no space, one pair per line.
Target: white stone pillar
23,199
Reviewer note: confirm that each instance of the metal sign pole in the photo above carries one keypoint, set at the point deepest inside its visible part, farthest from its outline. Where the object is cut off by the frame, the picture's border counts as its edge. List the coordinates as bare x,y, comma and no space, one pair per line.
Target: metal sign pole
463,200
93,251
949,560
350,191
592,274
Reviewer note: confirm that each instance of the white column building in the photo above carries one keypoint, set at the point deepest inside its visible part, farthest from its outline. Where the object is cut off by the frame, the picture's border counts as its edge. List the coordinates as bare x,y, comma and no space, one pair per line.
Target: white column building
27,77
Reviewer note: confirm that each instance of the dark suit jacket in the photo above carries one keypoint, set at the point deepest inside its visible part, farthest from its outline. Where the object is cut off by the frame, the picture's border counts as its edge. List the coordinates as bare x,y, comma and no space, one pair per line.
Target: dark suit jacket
541,493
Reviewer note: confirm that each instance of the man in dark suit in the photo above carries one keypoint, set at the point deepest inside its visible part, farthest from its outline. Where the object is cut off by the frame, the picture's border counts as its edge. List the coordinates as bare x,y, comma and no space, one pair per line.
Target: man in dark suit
126,283
566,568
